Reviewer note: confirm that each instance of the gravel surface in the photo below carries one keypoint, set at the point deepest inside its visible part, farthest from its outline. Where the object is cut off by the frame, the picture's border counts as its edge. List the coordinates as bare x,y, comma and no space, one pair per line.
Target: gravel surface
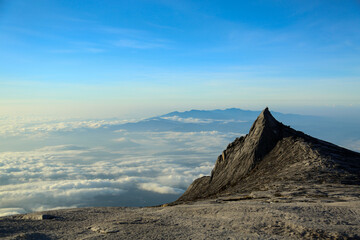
257,216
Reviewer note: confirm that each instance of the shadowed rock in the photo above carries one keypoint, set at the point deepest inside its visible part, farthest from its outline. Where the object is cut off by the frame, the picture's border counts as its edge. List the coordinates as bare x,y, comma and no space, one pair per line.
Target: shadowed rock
273,156
31,236
38,216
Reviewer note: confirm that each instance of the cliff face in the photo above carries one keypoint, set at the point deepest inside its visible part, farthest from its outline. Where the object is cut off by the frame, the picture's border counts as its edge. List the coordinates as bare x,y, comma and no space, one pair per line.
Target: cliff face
272,155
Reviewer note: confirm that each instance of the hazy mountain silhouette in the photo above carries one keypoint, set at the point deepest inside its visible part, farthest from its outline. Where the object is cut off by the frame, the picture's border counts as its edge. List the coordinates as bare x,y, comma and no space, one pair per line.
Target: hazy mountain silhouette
275,157
340,131
227,120
226,114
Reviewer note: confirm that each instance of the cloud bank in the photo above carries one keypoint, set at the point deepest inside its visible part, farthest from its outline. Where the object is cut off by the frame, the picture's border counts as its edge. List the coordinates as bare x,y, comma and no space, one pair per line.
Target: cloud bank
20,126
119,168
199,120
50,164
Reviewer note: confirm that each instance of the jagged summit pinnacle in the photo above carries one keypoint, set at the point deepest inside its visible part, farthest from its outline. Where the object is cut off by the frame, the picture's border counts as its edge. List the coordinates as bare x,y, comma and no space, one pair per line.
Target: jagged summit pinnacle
273,154
264,120
264,126
265,113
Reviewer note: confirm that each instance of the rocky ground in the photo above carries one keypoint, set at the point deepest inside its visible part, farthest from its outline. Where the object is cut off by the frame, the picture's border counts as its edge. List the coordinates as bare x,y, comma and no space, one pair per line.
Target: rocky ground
259,215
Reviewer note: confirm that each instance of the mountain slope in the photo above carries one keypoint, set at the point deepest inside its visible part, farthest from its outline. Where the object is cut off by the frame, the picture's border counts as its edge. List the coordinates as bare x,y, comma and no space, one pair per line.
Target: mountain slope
275,157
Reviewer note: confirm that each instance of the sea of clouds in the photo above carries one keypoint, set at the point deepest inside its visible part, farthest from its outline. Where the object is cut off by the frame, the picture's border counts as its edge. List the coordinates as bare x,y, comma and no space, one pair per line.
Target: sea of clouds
63,163
78,163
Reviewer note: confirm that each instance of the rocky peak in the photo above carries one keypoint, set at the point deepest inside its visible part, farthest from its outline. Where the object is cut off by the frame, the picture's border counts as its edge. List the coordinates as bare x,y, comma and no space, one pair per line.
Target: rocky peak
263,122
244,153
263,135
271,151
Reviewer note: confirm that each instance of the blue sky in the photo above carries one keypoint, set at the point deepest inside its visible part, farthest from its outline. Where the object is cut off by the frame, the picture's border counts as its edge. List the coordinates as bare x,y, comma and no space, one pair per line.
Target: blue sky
140,58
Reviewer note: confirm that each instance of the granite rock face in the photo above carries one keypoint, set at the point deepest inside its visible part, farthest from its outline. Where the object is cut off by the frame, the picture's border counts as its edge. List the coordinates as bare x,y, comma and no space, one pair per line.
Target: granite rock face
273,156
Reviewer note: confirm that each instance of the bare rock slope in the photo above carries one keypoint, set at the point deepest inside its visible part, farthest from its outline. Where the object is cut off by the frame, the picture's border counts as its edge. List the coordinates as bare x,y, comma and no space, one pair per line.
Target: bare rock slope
276,158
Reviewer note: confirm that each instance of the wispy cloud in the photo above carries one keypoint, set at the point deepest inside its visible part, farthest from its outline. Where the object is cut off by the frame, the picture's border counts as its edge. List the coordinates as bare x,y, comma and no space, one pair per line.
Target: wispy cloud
188,120
63,51
35,126
129,32
161,26
132,38
73,19
94,50
78,50
200,120
129,43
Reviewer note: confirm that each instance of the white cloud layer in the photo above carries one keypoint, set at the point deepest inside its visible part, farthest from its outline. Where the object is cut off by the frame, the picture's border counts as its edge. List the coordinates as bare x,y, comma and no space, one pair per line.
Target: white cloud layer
122,169
11,211
48,164
199,120
188,120
17,126
155,187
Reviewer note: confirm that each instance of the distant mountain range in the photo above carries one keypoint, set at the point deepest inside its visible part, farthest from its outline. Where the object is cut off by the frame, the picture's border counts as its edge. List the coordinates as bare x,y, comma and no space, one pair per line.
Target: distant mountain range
232,119
344,132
